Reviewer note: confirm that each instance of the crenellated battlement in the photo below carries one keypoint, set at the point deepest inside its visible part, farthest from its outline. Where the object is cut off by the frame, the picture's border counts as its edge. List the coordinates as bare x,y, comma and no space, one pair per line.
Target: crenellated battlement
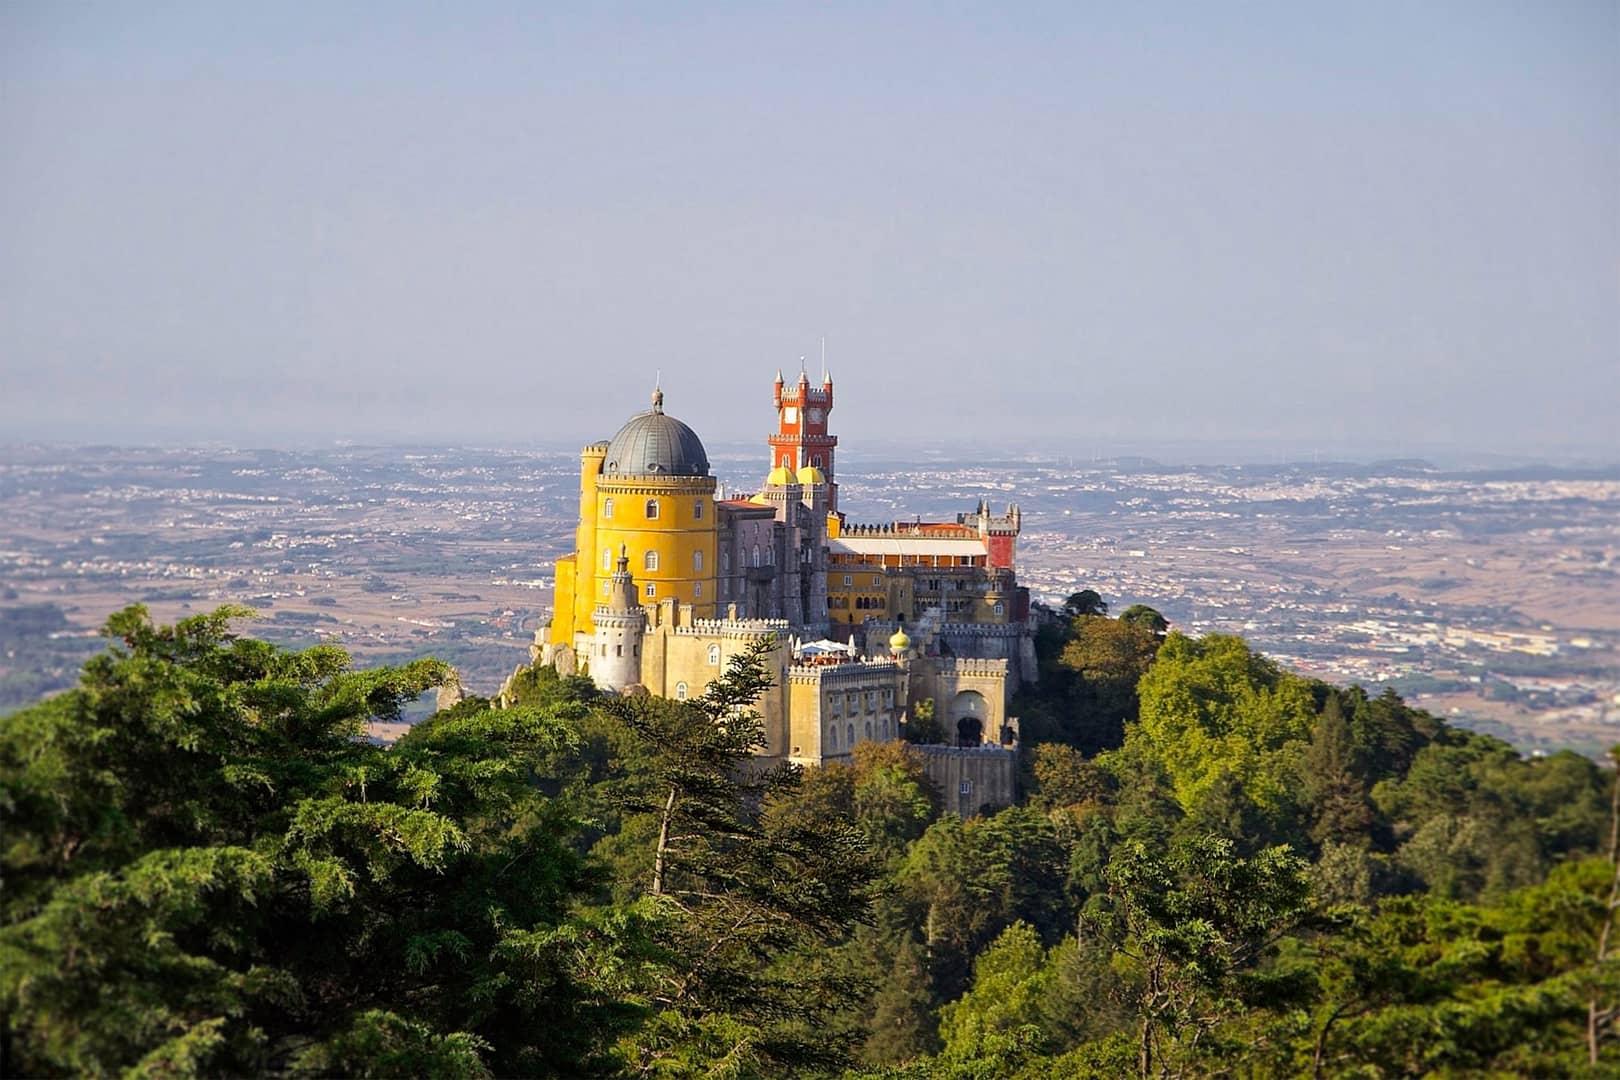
966,665
852,671
733,629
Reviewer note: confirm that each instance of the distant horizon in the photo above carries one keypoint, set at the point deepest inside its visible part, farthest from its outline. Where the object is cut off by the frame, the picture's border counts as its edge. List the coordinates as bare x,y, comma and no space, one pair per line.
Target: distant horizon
1081,456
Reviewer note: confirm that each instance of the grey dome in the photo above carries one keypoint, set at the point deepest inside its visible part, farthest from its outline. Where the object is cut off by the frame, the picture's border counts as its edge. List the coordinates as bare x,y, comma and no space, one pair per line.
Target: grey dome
651,443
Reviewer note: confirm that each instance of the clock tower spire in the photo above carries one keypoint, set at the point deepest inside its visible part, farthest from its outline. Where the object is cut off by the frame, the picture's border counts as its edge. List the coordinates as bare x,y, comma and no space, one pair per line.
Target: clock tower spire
801,440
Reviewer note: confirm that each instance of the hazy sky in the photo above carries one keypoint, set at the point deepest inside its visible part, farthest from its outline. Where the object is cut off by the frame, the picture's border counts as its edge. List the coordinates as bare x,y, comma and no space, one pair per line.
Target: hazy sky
1314,224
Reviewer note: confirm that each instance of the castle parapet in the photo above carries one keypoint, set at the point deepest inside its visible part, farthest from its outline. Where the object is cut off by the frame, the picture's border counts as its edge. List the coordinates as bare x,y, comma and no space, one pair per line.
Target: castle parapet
965,665
852,671
735,629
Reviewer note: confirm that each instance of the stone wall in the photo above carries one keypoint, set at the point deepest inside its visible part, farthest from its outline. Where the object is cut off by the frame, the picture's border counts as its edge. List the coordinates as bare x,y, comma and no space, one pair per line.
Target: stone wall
972,780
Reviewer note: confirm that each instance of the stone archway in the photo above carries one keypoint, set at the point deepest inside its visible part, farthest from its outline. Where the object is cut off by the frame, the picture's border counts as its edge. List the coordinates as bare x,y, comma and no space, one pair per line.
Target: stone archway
969,711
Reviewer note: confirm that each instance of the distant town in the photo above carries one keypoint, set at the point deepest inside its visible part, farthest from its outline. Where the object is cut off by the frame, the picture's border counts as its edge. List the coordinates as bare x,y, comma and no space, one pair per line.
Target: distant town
1490,598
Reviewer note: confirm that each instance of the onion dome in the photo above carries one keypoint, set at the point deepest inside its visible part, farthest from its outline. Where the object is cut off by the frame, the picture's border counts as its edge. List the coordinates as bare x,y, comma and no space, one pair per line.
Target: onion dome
899,643
653,444
779,476
811,475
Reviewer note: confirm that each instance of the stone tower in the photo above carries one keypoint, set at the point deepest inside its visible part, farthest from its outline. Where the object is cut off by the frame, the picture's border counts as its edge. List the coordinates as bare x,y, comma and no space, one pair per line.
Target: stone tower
615,660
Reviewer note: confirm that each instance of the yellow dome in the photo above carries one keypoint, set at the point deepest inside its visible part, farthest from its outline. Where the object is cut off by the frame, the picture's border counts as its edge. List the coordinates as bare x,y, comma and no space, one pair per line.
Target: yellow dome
779,475
899,643
812,475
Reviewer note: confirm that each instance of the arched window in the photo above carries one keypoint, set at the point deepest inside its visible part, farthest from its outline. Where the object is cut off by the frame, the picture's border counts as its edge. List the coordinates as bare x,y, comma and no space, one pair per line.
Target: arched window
756,554
652,509
651,561
680,691
852,735
607,558
697,510
652,590
697,562
714,654
1001,609
697,591
869,730
607,508
770,556
725,562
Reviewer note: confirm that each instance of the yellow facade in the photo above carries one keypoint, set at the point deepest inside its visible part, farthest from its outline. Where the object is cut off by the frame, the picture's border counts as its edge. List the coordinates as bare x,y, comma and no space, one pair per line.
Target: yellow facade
667,527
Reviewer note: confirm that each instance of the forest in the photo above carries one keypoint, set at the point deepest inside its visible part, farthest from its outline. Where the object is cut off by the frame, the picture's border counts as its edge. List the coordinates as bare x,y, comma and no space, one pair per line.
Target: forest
1218,868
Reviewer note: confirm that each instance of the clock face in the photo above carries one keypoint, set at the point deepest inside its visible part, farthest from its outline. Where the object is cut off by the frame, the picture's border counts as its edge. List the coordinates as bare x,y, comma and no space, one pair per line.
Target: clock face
813,415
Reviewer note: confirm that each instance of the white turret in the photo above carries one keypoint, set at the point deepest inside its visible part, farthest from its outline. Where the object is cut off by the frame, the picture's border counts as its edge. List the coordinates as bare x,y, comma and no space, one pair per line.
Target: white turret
620,622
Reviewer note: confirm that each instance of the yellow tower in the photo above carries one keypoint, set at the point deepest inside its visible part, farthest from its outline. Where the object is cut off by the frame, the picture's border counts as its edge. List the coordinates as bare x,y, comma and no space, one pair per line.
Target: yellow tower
648,490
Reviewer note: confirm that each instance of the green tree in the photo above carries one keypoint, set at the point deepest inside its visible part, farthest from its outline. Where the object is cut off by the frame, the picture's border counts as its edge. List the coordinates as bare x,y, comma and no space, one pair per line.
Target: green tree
922,726
739,899
1104,659
1147,618
1011,986
1334,789
902,1027
1190,925
1210,706
209,869
1085,603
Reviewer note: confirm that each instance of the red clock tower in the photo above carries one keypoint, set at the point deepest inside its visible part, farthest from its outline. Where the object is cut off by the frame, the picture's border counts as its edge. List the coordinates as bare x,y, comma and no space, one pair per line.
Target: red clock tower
801,438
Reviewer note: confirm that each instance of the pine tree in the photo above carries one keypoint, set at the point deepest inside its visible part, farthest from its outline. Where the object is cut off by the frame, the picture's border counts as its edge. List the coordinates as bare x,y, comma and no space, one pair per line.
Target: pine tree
737,898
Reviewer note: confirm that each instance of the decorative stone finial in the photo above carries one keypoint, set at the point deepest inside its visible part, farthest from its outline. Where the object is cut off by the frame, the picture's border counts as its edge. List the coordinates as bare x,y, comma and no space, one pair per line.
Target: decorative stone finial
658,400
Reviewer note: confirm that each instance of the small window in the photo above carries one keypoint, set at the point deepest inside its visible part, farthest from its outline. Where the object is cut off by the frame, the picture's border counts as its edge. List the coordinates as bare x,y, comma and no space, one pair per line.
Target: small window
697,510
966,788
618,650
849,580
697,562
680,691
607,558
697,590
652,509
851,731
832,736
651,561
607,508
652,590
1001,609
756,554
714,654
877,582
725,562
816,461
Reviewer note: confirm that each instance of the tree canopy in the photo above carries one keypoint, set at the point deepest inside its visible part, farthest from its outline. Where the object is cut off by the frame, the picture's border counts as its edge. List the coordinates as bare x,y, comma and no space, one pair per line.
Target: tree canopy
210,869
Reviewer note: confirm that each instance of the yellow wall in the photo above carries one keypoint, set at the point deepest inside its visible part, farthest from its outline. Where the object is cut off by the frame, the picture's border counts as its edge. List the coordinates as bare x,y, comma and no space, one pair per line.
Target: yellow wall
562,603
676,535
571,614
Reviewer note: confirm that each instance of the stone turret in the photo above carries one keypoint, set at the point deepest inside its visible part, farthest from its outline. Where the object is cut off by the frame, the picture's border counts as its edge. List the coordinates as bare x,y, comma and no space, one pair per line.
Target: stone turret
615,660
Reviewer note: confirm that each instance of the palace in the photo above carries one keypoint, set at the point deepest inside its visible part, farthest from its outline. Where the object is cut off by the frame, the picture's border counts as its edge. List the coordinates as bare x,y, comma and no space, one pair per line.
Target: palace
667,581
